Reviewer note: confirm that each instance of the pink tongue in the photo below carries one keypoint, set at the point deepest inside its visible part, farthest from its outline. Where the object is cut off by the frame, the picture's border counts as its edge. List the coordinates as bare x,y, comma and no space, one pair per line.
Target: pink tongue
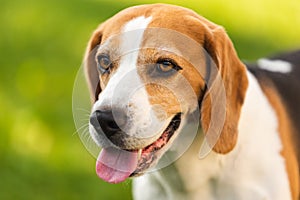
115,165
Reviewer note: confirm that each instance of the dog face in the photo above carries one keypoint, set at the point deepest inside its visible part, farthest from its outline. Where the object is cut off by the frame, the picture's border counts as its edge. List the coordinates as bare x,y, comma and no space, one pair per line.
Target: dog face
146,77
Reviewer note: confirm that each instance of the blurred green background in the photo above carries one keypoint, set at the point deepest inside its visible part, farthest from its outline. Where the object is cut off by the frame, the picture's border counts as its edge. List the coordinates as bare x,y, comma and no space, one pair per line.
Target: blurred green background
41,49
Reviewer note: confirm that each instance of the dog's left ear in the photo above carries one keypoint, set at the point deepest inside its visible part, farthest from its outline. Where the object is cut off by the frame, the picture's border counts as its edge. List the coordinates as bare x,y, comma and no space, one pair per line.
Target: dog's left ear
90,65
234,78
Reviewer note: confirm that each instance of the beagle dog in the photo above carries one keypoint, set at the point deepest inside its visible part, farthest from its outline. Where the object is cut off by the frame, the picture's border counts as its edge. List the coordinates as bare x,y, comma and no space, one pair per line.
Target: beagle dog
153,71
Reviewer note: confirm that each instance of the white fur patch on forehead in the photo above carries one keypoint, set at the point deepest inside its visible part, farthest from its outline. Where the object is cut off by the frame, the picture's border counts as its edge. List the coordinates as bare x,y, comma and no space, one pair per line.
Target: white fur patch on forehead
133,32
137,23
279,66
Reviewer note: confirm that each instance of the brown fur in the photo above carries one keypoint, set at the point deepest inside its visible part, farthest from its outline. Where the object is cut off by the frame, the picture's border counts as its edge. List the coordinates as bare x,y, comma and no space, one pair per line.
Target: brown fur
216,42
286,131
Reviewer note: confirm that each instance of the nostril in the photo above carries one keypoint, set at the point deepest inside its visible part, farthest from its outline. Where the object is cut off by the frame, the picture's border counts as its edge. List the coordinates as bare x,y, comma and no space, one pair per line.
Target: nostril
94,119
113,125
105,121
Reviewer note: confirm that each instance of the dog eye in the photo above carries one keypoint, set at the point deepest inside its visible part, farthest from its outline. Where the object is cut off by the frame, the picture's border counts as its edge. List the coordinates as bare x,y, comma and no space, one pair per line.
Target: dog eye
103,63
167,66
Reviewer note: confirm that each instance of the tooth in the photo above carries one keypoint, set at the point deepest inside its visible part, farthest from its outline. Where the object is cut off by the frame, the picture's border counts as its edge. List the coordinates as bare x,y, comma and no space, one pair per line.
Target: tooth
139,153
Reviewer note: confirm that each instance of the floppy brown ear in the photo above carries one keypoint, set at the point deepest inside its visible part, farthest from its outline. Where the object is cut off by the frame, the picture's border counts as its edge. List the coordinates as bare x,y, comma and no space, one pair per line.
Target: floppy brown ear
90,65
234,80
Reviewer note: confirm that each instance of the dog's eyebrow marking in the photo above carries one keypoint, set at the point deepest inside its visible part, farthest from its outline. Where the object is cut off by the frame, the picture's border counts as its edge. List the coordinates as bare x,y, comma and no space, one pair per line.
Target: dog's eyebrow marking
280,66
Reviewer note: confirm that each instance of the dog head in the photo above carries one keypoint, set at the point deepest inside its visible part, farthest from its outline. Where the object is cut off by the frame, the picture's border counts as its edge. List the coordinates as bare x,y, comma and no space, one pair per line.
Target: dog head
146,76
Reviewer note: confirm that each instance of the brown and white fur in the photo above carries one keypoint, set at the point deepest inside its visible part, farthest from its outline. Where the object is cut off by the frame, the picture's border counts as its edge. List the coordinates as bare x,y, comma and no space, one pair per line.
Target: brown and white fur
255,156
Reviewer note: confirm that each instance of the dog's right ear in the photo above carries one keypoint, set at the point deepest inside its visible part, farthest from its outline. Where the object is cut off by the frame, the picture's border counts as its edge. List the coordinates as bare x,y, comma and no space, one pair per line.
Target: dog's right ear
90,65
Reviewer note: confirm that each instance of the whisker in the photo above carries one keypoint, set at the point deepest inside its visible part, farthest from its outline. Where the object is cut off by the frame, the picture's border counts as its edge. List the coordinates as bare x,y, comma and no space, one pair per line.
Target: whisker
85,119
86,133
88,141
84,126
83,109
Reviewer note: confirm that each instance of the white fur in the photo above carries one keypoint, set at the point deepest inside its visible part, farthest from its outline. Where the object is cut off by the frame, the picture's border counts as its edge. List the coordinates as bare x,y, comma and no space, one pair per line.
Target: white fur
254,170
275,65
126,90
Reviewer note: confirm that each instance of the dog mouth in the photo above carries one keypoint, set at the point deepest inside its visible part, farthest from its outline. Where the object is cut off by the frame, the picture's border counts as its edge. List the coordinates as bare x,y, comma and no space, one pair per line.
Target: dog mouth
114,165
148,154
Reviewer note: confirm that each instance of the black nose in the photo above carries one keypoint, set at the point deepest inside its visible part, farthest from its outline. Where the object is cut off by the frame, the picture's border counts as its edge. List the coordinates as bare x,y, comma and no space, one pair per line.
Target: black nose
108,121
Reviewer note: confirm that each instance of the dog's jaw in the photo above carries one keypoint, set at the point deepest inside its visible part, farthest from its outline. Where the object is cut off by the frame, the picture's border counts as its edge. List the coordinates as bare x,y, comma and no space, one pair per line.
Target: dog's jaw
115,165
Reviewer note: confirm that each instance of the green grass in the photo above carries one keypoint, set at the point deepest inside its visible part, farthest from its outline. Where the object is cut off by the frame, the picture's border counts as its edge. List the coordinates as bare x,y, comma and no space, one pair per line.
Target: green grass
41,46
